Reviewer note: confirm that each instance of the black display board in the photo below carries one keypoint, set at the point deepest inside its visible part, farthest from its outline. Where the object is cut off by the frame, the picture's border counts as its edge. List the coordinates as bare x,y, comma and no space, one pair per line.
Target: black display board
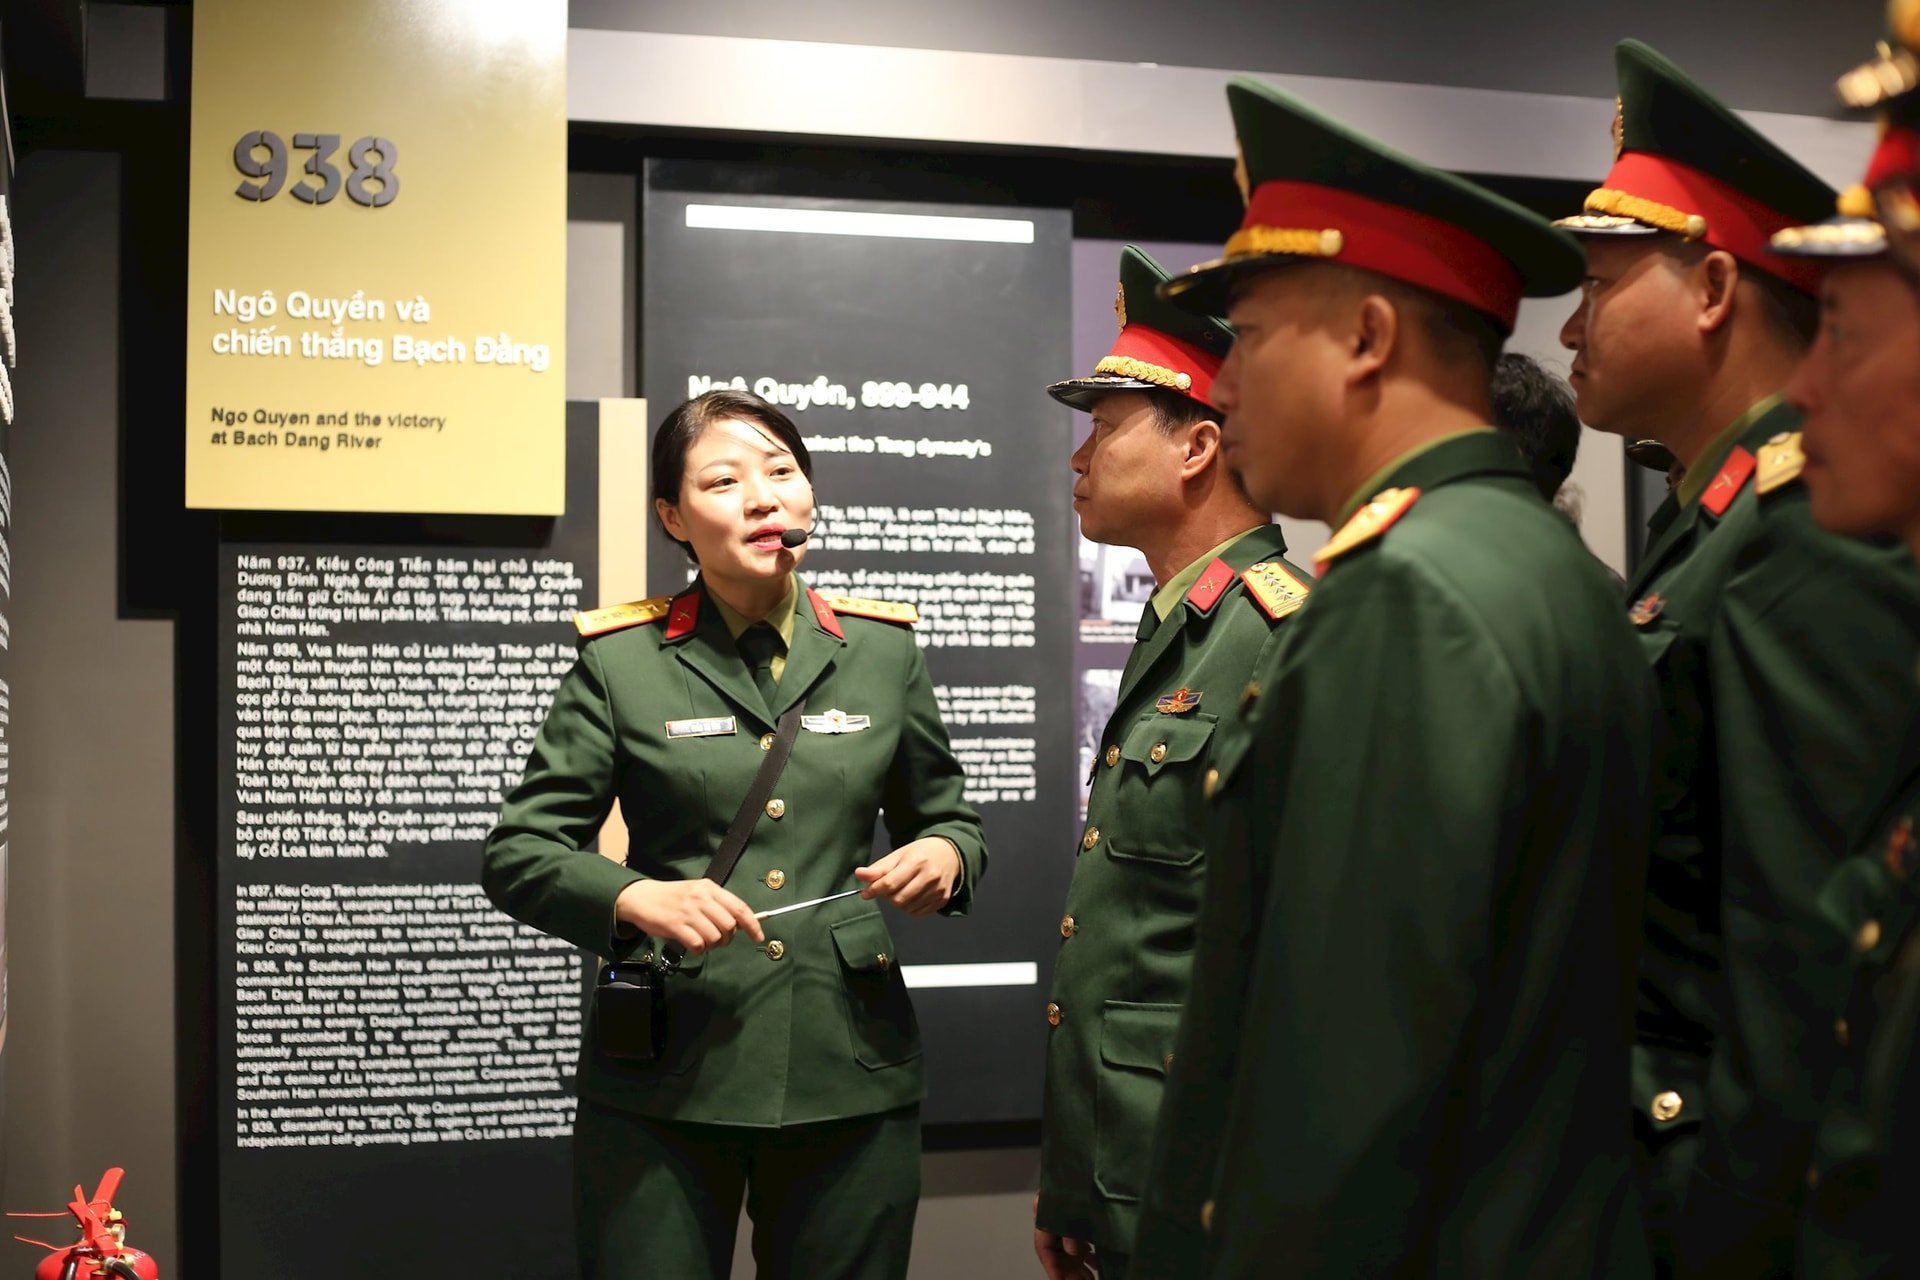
394,1058
913,354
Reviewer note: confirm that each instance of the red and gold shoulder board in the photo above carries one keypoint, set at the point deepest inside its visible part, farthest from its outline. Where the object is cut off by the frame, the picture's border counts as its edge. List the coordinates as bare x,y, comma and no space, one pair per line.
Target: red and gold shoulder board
883,610
616,617
1368,523
1726,486
1781,460
1276,589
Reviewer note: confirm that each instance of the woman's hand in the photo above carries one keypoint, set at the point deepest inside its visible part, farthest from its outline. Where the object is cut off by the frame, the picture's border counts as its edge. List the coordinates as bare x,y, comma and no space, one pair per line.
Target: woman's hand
917,878
697,914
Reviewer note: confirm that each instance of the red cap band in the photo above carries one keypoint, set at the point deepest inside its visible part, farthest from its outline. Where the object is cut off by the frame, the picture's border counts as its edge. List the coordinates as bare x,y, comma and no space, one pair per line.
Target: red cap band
1897,157
1736,222
1165,352
1395,241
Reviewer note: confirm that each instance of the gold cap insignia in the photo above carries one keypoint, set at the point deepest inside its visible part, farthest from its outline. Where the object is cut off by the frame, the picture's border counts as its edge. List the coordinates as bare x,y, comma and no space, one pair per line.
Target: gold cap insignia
1240,178
1619,127
1120,304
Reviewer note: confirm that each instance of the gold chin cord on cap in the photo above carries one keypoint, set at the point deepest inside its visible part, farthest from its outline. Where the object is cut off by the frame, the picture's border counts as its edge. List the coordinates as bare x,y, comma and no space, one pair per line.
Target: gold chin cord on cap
1665,217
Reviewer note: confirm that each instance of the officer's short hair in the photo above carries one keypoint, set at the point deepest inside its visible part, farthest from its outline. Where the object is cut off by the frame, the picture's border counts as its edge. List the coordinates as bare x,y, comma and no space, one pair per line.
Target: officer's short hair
1173,411
1792,316
686,423
1535,410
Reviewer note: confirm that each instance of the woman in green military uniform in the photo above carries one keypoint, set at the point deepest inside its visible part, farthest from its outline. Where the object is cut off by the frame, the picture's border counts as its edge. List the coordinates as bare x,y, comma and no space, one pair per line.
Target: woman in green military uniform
791,1072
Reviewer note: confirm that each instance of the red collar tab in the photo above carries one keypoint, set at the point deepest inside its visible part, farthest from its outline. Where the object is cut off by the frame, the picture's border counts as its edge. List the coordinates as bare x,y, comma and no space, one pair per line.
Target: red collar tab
684,614
1152,356
1897,156
823,614
1212,585
1391,240
1736,222
1726,486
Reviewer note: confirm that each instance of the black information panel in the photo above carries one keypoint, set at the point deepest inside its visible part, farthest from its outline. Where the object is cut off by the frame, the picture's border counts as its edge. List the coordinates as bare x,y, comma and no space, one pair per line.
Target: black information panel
912,343
395,1058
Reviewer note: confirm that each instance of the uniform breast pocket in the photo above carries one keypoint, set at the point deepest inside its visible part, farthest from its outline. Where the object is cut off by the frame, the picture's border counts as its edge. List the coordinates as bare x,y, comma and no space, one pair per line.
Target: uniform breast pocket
880,1022
1136,1049
1158,800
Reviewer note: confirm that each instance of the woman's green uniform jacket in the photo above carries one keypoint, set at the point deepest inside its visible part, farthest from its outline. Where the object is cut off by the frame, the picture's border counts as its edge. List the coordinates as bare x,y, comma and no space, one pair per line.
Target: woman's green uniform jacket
662,714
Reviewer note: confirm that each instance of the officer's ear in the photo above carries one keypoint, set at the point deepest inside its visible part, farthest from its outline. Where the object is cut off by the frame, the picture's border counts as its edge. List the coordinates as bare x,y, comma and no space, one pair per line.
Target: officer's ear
1716,280
1374,335
668,514
1203,448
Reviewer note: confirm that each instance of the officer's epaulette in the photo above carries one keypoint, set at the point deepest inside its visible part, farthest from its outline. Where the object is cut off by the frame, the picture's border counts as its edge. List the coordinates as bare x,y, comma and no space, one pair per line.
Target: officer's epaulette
1368,523
1781,460
614,617
1276,590
884,610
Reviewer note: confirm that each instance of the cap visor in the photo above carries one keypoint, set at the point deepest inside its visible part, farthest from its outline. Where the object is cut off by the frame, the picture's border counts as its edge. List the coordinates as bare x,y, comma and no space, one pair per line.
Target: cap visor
1084,393
1207,290
1839,237
1604,224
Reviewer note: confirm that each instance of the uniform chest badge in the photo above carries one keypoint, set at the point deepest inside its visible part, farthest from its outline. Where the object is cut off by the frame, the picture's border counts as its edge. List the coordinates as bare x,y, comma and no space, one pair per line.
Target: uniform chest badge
836,721
1177,703
1646,609
1898,856
711,727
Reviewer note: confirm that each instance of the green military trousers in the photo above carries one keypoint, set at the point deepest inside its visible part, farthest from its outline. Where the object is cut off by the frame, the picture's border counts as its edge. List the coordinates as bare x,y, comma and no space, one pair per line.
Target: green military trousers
829,1201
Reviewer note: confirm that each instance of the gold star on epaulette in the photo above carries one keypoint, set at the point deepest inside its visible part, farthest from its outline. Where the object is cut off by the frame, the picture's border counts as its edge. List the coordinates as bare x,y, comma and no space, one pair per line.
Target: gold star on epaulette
615,617
1277,592
883,610
1781,460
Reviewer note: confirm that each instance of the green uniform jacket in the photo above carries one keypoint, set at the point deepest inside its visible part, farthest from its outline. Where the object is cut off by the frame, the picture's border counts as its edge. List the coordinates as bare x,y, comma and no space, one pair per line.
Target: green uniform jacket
1411,1001
1866,1161
819,1027
1127,936
1784,657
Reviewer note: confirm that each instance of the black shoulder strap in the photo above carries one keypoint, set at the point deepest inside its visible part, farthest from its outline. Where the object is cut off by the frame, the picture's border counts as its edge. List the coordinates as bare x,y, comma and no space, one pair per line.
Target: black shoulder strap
735,841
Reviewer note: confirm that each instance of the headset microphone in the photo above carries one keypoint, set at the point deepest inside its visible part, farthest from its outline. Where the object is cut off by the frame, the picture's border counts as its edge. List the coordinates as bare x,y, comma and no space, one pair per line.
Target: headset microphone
792,537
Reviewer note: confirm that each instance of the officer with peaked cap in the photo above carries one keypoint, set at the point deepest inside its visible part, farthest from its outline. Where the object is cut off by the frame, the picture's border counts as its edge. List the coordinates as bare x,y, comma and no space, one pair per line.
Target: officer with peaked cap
1860,390
1409,1015
1148,475
1783,656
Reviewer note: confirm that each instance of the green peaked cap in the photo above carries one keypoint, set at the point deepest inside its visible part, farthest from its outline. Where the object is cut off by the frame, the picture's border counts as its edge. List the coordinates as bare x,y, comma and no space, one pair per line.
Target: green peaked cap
1349,199
1160,346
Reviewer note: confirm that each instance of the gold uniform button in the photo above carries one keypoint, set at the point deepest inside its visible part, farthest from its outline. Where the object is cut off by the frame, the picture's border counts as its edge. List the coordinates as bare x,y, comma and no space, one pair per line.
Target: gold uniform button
1211,783
1091,839
766,742
1113,756
1158,753
1206,1217
1067,927
1053,1015
775,948
1249,696
1869,936
776,878
1168,1064
1841,1032
776,808
881,960
1813,1177
1666,1106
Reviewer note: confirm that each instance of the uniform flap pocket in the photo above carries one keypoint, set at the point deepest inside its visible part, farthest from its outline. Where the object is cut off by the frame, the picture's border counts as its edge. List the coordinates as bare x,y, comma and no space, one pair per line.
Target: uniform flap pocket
1138,1035
863,943
1158,740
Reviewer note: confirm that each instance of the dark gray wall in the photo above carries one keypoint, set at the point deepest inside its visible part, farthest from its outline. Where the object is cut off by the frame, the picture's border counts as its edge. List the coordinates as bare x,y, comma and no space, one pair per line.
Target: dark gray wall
1761,55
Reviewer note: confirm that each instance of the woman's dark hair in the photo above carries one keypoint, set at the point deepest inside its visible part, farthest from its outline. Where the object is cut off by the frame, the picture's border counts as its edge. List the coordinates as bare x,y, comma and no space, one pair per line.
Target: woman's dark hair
686,423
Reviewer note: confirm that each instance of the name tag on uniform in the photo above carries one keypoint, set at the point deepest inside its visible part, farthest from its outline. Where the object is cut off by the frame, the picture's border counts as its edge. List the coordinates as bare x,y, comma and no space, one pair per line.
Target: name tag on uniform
836,721
709,728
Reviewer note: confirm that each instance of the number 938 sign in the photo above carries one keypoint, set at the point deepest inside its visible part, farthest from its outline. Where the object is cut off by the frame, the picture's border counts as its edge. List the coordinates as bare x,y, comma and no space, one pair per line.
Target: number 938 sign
370,179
